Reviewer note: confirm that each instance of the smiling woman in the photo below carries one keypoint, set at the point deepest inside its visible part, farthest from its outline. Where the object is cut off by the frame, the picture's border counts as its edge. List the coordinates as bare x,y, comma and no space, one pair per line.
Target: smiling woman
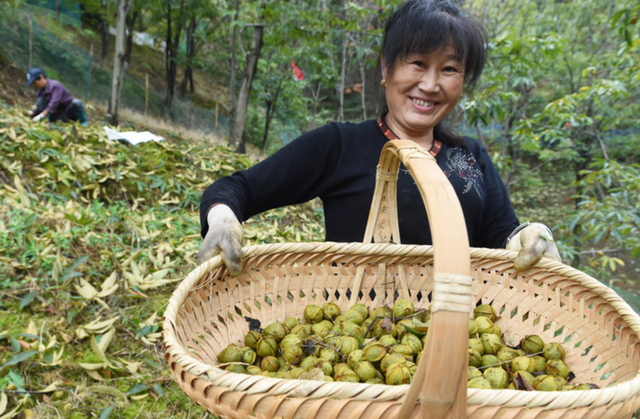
431,51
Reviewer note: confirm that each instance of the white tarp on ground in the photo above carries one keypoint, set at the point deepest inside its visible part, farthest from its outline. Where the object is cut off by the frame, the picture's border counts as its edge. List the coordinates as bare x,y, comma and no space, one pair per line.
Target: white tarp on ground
132,137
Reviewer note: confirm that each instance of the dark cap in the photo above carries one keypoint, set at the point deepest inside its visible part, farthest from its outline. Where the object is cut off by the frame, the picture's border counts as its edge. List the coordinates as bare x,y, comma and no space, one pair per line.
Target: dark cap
33,74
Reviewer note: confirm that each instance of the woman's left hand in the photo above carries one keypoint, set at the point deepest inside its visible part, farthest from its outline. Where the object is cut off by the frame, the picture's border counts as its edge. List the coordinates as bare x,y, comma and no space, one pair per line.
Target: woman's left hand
532,243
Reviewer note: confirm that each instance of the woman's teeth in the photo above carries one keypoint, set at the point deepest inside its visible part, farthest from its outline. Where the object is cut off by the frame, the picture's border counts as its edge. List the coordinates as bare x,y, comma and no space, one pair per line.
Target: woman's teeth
421,102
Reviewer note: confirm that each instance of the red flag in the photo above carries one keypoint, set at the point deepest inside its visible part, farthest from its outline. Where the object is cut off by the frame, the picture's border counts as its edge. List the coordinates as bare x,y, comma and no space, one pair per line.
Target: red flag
297,73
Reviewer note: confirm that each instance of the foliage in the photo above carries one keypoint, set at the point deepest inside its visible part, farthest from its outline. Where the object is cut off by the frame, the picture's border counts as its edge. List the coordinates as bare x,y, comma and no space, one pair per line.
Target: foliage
93,236
558,90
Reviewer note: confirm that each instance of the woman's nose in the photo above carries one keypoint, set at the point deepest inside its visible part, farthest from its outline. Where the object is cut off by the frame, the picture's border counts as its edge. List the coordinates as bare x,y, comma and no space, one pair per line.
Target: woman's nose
430,81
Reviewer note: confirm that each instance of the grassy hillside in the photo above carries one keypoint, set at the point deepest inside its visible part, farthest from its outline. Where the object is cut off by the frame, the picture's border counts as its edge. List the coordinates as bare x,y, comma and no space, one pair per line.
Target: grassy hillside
93,236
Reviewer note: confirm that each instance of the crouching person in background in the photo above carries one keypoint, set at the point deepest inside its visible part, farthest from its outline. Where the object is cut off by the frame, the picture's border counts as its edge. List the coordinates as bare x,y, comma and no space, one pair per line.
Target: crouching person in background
54,101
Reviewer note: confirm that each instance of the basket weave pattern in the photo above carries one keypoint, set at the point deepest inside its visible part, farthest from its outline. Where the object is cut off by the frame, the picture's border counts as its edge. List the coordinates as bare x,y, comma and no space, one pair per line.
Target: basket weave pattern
599,331
558,303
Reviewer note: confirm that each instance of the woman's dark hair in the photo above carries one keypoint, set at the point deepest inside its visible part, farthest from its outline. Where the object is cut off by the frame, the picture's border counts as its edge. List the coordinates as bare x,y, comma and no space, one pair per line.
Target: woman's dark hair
425,26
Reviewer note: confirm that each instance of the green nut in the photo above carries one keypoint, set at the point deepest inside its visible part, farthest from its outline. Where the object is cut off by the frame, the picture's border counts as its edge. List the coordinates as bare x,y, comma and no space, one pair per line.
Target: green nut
348,328
398,374
229,354
329,354
473,328
267,346
524,363
403,308
541,363
292,354
237,368
485,310
291,322
270,363
320,328
557,367
365,370
362,309
353,316
291,340
548,383
247,355
497,377
389,359
485,325
491,343
374,381
303,331
313,313
388,340
413,342
476,345
475,359
505,355
308,361
402,325
532,344
252,338
276,330
479,383
331,311
254,369
355,357
347,344
523,375
382,312
472,373
403,350
553,351
489,361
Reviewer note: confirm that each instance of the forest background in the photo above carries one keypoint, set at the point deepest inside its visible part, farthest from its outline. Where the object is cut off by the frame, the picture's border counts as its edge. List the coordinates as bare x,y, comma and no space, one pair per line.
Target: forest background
227,83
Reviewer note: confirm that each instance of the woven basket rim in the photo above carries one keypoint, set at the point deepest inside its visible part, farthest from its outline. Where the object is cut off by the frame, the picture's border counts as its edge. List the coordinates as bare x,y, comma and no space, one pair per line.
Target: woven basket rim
557,399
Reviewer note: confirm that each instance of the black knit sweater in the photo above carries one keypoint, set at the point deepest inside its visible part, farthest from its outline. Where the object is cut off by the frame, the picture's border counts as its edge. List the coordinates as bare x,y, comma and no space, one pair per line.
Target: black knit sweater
337,163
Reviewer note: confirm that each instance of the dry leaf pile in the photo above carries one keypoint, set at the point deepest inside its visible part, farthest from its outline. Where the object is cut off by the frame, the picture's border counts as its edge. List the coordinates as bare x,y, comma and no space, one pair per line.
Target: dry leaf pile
94,234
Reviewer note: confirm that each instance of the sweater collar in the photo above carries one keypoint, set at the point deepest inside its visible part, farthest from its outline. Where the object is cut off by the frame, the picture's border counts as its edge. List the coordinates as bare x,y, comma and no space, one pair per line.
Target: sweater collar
435,148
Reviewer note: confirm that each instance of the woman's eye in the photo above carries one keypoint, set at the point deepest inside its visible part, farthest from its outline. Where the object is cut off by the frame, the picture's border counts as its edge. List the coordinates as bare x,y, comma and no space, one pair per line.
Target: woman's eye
451,69
418,63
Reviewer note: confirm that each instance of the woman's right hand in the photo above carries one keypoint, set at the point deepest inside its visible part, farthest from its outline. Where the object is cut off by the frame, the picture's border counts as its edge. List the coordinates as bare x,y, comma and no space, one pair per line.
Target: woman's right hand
225,238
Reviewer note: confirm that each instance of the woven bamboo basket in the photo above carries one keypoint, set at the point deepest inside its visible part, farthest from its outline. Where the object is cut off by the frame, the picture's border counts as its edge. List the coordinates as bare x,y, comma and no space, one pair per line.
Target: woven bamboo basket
599,330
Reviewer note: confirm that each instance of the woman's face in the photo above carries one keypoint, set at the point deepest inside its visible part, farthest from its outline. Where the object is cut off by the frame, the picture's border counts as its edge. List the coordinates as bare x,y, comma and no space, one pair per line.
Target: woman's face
422,90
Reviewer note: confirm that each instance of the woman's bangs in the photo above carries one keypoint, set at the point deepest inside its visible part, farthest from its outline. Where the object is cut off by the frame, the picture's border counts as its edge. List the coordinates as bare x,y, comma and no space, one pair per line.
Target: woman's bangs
430,33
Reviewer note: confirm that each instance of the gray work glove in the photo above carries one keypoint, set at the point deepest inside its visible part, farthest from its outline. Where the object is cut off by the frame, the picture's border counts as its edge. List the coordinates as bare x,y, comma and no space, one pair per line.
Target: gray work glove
225,238
532,241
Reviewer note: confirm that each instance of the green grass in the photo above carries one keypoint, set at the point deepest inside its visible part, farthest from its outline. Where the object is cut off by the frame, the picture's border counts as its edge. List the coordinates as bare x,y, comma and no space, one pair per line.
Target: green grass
76,207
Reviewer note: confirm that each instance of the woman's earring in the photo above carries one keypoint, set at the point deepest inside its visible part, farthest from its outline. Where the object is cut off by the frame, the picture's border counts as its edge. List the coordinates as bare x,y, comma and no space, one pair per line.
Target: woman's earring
383,83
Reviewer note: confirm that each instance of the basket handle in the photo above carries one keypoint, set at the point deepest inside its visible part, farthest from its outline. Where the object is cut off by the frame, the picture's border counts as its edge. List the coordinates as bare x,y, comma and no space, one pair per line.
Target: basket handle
441,378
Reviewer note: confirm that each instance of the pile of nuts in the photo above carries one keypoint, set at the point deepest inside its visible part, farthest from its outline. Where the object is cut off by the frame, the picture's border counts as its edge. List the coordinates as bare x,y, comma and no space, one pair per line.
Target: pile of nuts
384,347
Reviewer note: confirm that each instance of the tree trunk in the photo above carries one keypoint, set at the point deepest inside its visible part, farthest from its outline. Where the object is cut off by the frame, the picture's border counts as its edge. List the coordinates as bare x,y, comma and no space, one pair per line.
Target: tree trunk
340,87
104,39
316,98
131,23
118,61
271,109
191,54
362,92
232,65
58,9
171,55
168,62
237,138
